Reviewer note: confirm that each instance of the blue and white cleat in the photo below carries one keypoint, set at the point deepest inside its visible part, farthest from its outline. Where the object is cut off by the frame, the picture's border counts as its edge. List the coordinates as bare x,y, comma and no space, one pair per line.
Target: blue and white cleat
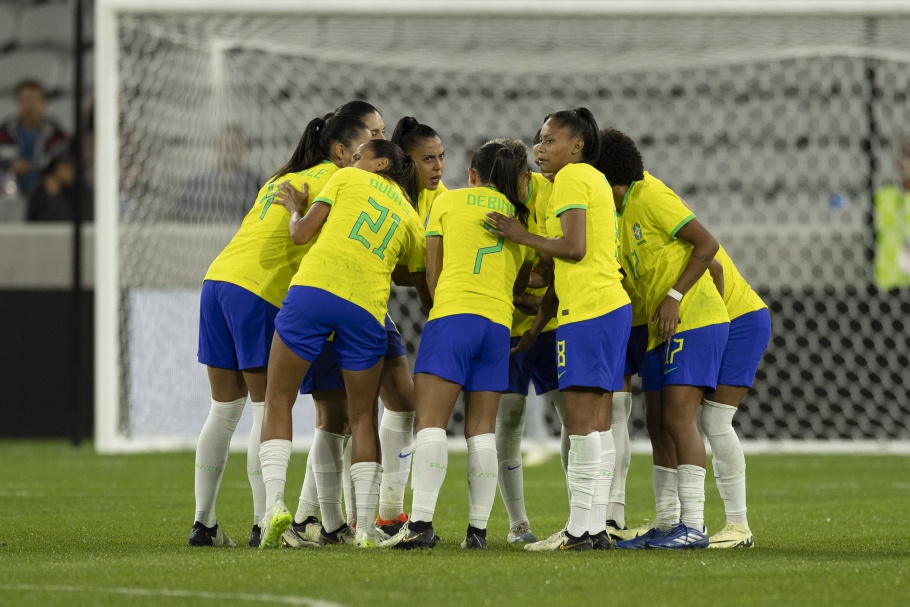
641,542
681,537
520,533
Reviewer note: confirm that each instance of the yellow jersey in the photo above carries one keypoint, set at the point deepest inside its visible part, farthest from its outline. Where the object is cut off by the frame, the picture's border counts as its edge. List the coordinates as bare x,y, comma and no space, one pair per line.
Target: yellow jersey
370,227
478,267
425,201
650,217
538,196
591,287
738,295
261,256
639,312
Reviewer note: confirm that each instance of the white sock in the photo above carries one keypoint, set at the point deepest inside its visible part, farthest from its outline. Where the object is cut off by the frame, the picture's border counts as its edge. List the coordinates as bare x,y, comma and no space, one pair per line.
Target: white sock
604,480
211,456
584,468
308,504
619,423
396,439
431,459
275,455
366,477
347,485
510,426
253,468
692,495
326,456
481,478
564,442
666,498
728,460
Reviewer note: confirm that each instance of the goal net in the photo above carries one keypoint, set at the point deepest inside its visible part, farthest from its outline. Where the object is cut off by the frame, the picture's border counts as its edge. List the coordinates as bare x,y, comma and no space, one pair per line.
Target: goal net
778,129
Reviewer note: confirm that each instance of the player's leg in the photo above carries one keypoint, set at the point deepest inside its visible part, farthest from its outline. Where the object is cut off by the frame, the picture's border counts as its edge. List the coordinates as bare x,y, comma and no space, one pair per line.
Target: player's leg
396,435
619,422
255,380
480,423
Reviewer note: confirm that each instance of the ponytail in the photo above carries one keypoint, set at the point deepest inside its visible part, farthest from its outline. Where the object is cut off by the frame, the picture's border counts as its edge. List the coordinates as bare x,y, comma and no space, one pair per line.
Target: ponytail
408,132
317,140
581,123
501,163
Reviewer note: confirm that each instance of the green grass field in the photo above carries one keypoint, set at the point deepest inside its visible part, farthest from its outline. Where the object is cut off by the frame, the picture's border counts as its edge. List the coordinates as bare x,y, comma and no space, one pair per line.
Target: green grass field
81,529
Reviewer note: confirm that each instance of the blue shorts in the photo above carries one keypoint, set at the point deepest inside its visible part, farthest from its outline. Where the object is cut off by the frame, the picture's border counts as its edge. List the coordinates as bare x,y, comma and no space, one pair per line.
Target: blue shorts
749,336
325,374
309,315
235,327
537,365
592,353
638,347
469,350
690,358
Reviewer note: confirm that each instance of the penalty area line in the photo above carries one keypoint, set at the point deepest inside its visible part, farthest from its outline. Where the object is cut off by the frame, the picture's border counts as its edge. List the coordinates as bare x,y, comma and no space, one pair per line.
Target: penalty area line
167,592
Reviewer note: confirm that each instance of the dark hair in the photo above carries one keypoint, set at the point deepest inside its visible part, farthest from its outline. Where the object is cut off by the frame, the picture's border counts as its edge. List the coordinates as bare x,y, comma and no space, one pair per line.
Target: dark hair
356,109
30,84
536,140
620,161
581,123
496,163
408,132
317,139
401,169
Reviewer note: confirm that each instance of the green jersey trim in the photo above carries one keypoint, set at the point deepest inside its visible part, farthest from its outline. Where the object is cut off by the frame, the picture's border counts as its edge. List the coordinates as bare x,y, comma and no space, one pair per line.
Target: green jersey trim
327,201
569,207
431,234
680,225
625,198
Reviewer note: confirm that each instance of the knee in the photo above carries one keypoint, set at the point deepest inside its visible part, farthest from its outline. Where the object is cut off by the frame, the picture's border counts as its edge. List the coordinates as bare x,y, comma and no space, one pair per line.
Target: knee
716,419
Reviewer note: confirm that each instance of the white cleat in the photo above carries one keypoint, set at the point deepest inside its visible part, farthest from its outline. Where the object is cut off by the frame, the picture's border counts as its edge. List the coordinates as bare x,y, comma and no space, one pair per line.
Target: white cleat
561,540
520,533
369,538
733,535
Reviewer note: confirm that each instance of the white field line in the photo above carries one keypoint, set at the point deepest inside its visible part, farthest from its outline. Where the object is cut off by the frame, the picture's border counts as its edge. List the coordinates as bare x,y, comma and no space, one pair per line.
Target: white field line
166,592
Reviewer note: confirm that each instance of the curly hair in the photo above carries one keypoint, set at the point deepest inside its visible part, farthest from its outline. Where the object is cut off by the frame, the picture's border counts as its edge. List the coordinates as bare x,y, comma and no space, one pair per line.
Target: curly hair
620,161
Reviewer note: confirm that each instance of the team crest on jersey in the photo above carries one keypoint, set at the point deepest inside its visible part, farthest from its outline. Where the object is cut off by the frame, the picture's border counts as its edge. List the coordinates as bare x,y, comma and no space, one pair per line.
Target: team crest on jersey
636,229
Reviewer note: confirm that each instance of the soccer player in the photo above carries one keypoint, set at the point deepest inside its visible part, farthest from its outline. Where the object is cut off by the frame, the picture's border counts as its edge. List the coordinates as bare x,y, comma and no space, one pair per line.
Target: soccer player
241,295
667,252
472,275
750,331
366,223
593,312
424,145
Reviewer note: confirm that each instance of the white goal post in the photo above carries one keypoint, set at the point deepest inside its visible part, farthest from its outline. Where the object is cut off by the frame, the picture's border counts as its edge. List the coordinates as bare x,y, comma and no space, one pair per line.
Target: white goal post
776,119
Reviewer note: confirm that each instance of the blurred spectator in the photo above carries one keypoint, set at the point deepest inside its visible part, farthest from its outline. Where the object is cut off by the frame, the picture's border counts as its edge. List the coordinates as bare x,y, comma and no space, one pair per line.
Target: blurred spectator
29,139
227,191
55,197
892,228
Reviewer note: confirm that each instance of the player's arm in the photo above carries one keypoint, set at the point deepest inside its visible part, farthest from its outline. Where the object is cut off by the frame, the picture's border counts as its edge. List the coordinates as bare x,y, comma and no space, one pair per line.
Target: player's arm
423,291
401,277
434,265
521,280
704,247
548,307
542,274
717,275
303,229
572,246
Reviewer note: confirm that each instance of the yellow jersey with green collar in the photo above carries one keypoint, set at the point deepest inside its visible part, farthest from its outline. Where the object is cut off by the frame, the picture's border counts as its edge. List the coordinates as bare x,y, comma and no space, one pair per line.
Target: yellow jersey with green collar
639,312
591,287
425,201
478,267
538,197
261,257
738,295
371,227
650,218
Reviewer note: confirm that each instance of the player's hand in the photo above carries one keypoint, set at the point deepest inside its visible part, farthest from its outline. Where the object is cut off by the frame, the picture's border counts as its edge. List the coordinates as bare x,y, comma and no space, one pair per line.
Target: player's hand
527,304
293,199
666,318
503,225
524,344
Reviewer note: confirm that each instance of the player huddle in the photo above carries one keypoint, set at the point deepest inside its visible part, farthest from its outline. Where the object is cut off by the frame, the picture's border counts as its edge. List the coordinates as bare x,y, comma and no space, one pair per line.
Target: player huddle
574,278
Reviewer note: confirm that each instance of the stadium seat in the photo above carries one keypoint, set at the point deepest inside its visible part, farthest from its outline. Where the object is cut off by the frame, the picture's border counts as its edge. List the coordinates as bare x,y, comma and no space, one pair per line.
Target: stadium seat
44,66
47,25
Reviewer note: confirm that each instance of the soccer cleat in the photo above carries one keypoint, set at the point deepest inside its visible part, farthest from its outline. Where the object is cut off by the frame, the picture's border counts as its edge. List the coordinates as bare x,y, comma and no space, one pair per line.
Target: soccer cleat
392,526
342,535
369,538
200,535
475,538
255,537
680,537
520,533
629,534
640,542
613,529
601,541
406,539
276,521
733,535
562,540
292,538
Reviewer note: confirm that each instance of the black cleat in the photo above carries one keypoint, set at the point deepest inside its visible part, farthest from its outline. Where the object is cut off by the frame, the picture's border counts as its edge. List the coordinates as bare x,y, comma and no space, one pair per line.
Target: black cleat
475,538
200,535
255,537
408,538
342,535
601,541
